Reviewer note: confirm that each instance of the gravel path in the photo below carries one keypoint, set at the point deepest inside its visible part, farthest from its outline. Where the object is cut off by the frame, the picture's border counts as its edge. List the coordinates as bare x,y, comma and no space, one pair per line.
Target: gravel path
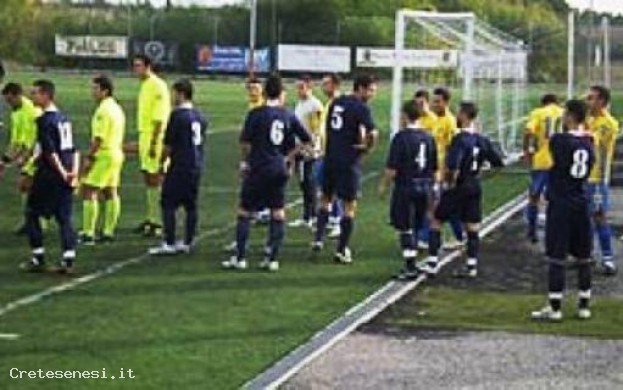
442,360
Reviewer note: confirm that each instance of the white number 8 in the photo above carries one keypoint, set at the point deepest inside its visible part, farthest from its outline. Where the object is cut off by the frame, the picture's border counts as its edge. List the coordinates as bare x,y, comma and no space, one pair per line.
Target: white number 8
579,169
276,133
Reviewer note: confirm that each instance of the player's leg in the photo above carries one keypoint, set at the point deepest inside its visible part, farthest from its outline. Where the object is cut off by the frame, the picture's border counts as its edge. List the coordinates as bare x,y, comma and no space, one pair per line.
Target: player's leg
192,217
299,169
90,214
24,183
35,240
601,200
150,167
169,203
348,192
437,214
329,184
112,203
537,186
250,200
581,247
311,192
557,243
405,215
63,215
276,233
471,215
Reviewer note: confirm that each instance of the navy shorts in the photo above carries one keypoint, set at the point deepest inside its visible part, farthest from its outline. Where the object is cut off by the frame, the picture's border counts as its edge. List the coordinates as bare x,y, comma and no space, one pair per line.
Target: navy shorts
342,181
461,204
568,232
50,198
538,182
409,205
180,190
260,191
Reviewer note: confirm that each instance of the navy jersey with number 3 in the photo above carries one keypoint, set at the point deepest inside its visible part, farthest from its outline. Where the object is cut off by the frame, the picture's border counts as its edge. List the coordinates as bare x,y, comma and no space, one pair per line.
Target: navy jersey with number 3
185,135
413,155
574,158
467,154
348,116
54,136
272,132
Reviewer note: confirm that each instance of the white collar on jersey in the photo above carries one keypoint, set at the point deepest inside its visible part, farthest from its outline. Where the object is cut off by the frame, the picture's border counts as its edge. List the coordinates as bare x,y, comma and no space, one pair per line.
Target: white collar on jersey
51,108
470,129
186,106
415,126
273,103
581,132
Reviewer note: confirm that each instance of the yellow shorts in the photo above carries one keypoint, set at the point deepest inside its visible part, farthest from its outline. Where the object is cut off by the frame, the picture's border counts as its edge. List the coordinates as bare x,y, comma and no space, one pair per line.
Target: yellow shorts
149,164
104,173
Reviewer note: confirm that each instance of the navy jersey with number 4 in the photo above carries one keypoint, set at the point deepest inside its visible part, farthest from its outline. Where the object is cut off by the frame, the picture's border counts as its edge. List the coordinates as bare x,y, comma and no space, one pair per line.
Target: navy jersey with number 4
348,116
413,155
54,136
574,158
272,132
468,152
185,135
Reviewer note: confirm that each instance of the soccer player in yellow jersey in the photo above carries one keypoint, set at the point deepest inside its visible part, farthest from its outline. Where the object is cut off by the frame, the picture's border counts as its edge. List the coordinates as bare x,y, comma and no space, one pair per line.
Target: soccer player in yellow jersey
103,164
22,138
429,122
154,107
543,122
255,93
446,130
605,130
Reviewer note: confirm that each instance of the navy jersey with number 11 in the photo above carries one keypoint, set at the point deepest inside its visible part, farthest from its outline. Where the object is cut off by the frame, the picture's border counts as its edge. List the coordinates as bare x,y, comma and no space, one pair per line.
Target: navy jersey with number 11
185,135
54,136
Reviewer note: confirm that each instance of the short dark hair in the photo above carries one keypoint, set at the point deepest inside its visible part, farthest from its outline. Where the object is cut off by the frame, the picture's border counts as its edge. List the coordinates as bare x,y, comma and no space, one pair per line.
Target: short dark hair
46,86
578,109
422,93
335,78
145,59
273,87
363,81
184,87
411,110
306,78
444,93
12,89
105,84
549,98
470,109
603,92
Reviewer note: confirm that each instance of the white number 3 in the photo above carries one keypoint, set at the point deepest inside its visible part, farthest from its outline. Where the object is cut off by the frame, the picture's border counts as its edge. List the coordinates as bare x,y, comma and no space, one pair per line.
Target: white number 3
197,135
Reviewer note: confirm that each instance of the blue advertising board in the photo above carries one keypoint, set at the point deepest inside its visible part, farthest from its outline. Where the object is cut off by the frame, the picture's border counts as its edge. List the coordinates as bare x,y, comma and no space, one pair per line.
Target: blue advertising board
230,59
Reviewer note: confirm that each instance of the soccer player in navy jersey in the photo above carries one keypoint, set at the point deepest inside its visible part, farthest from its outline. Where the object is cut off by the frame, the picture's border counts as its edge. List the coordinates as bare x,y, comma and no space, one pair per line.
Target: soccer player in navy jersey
462,192
184,142
350,132
568,226
411,166
54,180
268,143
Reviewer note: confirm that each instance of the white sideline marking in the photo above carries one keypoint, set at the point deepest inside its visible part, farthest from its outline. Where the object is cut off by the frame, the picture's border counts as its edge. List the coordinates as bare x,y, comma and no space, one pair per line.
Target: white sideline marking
113,268
363,312
9,336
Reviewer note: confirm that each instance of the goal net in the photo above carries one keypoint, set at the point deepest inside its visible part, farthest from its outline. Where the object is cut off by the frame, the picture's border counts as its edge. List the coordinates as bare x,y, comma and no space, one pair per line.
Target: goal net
473,59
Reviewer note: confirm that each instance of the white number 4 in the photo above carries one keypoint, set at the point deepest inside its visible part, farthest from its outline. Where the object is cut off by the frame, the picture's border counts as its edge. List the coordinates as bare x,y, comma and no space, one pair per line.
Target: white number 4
421,157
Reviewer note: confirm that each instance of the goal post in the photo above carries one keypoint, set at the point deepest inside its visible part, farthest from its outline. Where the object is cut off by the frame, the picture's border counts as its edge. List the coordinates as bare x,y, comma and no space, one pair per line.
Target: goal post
491,69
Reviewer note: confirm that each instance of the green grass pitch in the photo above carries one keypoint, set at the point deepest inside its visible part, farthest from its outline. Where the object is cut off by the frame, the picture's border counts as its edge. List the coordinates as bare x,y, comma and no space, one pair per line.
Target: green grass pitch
184,323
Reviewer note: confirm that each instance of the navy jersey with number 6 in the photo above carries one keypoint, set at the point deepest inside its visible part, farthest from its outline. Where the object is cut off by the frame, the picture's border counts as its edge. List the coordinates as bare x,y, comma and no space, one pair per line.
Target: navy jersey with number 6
574,158
272,132
413,155
467,154
54,136
348,116
185,135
